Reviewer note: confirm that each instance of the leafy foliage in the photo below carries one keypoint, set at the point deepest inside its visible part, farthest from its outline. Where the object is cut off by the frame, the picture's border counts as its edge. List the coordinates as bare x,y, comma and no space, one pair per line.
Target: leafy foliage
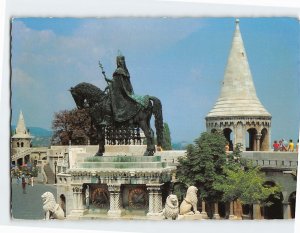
74,125
167,144
243,181
203,163
246,185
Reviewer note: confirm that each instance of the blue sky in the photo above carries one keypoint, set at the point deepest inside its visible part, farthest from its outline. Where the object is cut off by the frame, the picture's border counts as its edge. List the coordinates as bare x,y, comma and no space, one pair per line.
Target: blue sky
179,60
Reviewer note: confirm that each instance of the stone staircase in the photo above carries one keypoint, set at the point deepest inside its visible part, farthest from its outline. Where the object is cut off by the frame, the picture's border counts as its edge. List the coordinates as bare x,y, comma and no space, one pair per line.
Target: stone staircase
50,175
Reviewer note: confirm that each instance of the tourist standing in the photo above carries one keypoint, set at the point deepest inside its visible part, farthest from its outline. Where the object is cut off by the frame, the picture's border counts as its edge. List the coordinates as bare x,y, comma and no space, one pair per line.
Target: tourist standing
291,146
276,146
24,183
297,146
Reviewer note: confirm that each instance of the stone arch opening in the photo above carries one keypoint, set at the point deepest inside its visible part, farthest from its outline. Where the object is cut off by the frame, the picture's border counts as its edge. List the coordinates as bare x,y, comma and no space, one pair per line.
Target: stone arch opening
18,144
292,201
26,159
275,210
20,161
223,209
247,211
227,132
22,144
251,142
264,140
63,203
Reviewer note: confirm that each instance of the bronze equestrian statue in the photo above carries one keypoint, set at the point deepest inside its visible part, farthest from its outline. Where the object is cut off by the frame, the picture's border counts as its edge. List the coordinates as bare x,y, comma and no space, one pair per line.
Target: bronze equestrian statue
118,106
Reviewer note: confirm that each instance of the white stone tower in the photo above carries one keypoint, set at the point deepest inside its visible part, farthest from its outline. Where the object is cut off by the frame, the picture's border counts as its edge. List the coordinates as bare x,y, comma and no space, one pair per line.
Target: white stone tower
21,142
238,111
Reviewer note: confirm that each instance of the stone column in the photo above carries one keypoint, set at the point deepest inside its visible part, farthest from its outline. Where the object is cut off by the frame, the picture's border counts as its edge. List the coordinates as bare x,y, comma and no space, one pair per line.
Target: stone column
257,137
256,211
155,199
78,208
286,210
238,209
115,200
216,211
203,212
231,213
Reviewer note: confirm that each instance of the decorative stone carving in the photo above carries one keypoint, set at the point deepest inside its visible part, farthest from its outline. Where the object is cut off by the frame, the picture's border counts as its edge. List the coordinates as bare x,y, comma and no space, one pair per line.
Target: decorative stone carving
137,198
171,209
51,208
155,199
115,200
189,204
100,198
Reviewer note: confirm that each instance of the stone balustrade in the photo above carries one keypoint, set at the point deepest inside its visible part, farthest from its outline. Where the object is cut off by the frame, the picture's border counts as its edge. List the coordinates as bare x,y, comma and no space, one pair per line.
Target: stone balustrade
264,159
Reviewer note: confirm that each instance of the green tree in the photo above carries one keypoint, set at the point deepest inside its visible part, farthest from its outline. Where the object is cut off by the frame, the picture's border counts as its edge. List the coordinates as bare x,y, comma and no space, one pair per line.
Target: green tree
203,163
241,180
167,144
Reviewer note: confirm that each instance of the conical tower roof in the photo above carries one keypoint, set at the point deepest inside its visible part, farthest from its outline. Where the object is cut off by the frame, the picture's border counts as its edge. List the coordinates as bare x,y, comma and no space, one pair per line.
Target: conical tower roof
238,96
21,131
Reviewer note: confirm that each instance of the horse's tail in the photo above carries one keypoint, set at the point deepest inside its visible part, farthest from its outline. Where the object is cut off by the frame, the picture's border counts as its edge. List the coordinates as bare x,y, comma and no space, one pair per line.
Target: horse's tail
159,124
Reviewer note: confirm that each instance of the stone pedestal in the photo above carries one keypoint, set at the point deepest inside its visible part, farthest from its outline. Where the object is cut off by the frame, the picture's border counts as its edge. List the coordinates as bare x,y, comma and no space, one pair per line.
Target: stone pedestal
216,212
155,199
115,200
286,210
203,212
78,207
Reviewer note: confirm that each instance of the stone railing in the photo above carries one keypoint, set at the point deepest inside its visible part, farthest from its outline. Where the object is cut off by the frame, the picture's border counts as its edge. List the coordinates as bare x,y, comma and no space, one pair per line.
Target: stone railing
272,160
20,153
264,159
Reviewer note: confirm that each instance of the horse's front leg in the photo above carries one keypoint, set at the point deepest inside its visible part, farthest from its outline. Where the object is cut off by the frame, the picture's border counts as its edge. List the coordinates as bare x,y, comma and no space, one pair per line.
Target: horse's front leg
101,139
149,134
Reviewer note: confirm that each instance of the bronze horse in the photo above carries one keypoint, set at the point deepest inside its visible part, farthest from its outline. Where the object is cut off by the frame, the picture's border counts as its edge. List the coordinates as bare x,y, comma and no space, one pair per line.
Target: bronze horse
98,104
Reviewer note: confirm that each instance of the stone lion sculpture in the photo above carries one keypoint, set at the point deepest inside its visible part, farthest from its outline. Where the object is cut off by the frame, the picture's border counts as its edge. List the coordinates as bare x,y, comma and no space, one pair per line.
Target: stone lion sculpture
171,209
189,204
51,208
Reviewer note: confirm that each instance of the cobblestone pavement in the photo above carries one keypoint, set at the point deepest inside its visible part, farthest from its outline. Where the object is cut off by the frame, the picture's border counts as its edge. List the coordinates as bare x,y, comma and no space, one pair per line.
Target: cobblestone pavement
29,205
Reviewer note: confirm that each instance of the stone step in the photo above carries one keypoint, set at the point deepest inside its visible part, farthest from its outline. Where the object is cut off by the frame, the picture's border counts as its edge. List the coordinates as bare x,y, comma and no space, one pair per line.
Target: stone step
122,158
122,165
50,175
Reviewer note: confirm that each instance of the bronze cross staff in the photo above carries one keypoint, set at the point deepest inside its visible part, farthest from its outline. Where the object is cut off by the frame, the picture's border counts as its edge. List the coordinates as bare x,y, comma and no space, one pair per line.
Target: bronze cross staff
103,72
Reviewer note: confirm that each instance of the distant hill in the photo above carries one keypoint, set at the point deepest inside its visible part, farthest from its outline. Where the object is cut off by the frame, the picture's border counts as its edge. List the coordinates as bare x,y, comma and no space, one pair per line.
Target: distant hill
39,132
36,131
42,137
180,145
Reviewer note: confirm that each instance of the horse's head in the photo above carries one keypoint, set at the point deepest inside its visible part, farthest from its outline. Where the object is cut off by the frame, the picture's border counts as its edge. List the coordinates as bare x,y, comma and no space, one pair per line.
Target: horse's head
86,95
78,98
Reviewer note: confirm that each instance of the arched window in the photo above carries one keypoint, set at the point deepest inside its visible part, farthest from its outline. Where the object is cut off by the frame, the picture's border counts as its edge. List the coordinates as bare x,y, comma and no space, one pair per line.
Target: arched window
251,142
275,210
